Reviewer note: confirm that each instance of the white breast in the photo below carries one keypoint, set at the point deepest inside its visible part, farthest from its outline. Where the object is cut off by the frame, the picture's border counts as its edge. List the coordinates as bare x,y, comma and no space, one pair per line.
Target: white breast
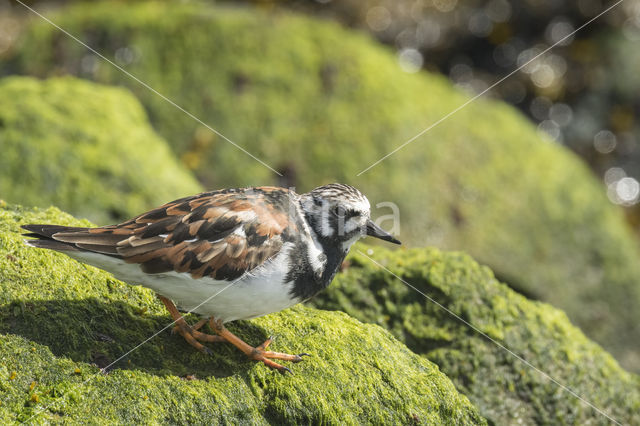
258,293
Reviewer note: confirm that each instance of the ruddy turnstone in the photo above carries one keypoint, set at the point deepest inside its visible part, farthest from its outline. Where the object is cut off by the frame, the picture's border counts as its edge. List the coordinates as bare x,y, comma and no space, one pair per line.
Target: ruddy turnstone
227,255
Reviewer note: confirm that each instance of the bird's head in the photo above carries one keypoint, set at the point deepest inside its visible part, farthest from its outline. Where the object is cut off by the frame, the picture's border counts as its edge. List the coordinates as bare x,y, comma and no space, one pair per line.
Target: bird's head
341,213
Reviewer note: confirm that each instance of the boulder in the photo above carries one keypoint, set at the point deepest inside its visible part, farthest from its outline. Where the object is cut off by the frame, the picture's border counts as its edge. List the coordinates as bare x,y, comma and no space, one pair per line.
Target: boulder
61,322
85,147
479,331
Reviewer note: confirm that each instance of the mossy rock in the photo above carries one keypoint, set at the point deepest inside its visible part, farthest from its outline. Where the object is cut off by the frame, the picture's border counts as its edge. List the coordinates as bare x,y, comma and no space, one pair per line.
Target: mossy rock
85,147
327,103
60,319
505,389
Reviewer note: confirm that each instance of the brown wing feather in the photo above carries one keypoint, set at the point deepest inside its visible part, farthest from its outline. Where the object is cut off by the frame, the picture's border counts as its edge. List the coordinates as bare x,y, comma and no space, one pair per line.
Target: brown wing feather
219,234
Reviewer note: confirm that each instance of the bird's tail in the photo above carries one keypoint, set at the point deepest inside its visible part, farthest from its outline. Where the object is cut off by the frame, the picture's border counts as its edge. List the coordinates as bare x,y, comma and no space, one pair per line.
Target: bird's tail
43,236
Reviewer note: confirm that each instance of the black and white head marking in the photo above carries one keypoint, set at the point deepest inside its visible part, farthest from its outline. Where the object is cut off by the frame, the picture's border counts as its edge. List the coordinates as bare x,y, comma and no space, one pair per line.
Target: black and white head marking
337,213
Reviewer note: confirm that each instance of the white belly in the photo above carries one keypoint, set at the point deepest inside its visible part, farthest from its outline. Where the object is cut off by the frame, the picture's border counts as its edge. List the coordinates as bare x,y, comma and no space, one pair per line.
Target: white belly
254,294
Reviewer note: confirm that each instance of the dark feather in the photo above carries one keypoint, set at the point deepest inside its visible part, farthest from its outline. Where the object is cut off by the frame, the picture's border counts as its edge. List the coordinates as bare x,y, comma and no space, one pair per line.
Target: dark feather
49,230
87,237
52,245
163,226
98,248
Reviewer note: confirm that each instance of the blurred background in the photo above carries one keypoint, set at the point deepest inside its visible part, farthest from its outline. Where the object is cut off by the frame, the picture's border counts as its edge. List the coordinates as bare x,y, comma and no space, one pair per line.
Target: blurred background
538,179
584,94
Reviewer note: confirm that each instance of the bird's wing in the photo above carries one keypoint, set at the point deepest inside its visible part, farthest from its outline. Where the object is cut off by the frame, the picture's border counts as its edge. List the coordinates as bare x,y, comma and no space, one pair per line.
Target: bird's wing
219,234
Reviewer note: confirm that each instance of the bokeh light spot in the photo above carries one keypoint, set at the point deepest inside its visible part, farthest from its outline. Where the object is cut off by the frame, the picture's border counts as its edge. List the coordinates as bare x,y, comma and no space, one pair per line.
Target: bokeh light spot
544,76
480,25
411,60
613,175
445,5
498,10
540,107
551,129
378,18
627,191
558,32
604,141
561,114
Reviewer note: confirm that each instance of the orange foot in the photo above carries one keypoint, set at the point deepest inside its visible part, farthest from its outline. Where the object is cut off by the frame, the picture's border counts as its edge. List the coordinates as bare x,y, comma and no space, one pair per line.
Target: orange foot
194,337
259,353
190,334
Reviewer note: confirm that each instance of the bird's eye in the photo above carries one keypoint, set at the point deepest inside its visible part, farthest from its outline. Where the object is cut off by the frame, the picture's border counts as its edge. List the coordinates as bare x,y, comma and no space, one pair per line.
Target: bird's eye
339,211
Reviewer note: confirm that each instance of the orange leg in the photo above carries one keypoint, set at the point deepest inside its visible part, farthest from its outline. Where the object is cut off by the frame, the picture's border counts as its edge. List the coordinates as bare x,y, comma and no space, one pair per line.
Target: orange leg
199,324
196,326
203,337
259,353
186,331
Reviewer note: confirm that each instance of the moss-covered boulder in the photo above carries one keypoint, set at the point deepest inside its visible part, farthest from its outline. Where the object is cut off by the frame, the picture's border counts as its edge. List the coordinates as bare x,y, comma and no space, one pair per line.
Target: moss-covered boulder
506,390
326,103
60,320
85,147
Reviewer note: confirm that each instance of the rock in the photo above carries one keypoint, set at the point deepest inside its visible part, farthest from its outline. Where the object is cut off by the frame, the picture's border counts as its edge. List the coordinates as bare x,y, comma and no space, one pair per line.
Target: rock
327,103
85,147
60,320
504,388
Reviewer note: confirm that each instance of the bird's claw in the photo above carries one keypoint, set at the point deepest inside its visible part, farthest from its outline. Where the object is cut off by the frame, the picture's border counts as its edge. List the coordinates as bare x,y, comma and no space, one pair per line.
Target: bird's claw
298,358
285,370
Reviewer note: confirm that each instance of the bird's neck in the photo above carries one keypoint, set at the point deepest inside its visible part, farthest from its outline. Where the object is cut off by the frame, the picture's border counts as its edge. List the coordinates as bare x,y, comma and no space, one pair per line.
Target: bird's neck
310,280
332,245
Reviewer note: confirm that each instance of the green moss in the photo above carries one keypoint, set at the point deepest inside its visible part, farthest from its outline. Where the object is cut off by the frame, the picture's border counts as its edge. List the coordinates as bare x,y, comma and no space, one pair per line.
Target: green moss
326,103
506,390
85,147
59,318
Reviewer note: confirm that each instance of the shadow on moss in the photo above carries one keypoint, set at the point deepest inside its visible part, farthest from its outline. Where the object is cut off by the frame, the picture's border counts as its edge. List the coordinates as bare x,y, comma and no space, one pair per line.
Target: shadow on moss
96,332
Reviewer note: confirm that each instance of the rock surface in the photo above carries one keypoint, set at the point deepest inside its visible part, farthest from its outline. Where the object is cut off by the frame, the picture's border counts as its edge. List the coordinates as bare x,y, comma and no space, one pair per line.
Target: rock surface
504,388
60,320
326,104
85,147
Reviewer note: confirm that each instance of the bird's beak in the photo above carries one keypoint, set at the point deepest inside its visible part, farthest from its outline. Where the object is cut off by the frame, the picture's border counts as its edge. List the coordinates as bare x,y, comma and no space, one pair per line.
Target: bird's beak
374,230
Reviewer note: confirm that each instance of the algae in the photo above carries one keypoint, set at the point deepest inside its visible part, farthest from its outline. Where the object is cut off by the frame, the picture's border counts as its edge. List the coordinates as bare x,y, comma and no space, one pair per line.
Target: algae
60,320
85,147
506,390
326,103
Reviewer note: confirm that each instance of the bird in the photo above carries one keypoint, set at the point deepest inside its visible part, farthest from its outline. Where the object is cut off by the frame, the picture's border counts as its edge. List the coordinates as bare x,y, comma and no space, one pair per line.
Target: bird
227,255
